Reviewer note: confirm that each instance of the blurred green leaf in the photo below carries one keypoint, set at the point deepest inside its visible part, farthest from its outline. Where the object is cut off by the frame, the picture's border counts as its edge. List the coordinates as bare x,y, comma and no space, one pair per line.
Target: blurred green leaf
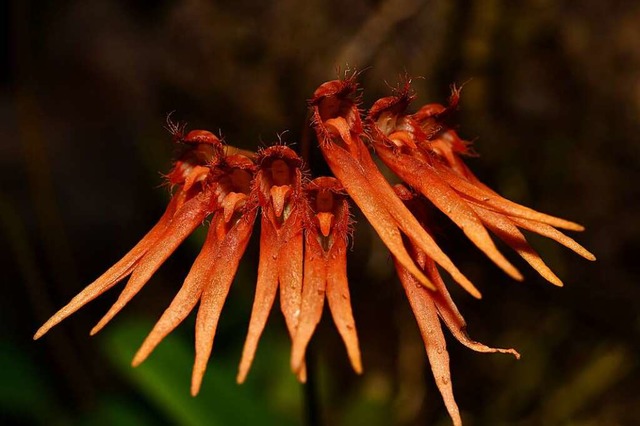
23,393
164,380
116,411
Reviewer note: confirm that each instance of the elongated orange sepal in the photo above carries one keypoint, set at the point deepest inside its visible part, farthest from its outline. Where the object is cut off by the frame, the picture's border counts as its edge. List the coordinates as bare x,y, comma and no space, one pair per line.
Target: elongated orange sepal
351,162
505,229
281,246
220,274
423,178
325,271
184,222
185,300
266,288
117,272
501,204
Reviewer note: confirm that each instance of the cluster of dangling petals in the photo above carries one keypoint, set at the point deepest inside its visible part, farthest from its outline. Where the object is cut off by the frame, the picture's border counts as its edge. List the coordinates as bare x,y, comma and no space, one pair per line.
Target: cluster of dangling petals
304,234
305,226
426,154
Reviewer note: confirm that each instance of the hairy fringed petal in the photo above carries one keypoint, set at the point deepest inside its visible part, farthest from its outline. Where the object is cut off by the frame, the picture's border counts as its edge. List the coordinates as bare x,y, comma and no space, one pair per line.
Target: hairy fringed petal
325,271
339,129
277,188
213,271
185,211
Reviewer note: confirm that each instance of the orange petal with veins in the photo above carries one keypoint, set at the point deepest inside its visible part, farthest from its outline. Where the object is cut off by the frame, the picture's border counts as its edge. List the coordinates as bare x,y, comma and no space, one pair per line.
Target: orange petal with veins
386,212
290,274
505,229
290,277
550,232
423,178
266,288
427,318
313,292
339,301
221,272
117,272
451,316
409,224
184,222
491,200
185,300
372,206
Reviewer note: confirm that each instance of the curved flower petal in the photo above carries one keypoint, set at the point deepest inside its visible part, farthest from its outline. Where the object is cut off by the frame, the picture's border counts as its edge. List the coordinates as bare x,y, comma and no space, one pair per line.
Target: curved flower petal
505,229
351,162
185,300
266,288
117,272
184,222
325,271
427,318
222,270
423,178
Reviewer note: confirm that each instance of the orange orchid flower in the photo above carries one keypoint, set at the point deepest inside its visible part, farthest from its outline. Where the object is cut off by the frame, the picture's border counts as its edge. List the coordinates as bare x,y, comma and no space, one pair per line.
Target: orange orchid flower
325,270
337,123
191,203
425,154
208,182
212,273
305,228
277,187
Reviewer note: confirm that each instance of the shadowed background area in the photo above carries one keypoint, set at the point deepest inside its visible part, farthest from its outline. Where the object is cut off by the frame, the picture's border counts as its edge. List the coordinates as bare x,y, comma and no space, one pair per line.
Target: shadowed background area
552,102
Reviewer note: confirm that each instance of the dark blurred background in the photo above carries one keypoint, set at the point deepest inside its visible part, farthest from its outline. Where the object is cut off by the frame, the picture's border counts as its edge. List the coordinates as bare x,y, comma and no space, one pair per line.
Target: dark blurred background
552,102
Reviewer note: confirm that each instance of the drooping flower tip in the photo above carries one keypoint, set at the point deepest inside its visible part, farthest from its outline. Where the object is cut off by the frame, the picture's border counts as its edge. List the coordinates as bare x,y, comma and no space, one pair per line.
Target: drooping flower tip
325,270
277,186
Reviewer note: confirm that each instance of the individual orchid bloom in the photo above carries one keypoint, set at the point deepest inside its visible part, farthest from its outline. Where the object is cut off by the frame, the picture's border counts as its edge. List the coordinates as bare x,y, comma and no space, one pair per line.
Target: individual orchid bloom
425,154
432,307
325,270
277,188
192,201
339,129
212,273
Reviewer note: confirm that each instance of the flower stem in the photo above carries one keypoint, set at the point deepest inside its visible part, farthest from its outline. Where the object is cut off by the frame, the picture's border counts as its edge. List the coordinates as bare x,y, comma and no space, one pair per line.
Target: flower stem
312,406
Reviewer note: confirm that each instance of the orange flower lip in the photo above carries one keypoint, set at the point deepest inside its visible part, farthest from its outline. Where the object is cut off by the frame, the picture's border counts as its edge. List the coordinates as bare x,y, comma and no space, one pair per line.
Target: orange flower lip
325,219
232,203
325,271
279,195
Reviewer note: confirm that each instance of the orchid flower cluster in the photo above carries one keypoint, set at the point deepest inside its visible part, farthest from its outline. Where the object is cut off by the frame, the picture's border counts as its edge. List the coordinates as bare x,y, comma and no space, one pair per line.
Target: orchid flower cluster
305,226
